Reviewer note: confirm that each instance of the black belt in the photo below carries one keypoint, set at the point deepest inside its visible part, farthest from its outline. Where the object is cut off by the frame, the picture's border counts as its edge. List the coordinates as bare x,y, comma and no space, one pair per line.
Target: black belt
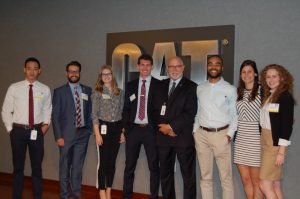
27,127
141,125
81,127
214,129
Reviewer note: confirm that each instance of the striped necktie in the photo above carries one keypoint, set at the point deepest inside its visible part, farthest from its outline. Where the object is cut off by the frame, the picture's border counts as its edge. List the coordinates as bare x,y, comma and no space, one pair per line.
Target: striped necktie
142,101
78,108
172,89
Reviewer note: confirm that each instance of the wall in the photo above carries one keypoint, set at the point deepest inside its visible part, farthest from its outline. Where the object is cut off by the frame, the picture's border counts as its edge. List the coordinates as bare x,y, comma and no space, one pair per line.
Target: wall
59,31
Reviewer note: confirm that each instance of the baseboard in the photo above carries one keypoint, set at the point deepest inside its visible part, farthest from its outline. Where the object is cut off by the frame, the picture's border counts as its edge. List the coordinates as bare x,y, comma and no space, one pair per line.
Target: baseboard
53,186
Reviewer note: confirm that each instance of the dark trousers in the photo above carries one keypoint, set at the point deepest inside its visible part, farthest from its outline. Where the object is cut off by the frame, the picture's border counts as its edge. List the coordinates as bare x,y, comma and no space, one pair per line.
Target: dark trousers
108,152
72,156
20,139
134,140
187,160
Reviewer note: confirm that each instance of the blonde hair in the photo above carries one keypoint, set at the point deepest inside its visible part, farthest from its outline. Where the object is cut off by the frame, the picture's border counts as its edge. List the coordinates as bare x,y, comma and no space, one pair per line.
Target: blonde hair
99,84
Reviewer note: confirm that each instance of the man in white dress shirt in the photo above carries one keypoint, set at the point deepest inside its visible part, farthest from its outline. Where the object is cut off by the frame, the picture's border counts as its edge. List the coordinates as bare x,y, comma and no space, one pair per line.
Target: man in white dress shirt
214,127
26,114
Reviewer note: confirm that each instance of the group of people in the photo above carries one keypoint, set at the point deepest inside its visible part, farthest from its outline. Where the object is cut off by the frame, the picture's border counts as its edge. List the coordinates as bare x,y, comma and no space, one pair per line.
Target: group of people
265,111
171,118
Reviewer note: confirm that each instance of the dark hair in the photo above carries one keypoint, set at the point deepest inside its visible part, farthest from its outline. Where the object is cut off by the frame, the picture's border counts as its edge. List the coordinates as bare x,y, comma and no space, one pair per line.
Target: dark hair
32,59
241,87
145,57
73,63
217,56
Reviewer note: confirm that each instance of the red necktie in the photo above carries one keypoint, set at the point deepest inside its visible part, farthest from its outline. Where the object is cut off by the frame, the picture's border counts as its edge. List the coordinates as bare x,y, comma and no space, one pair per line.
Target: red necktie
142,101
31,108
78,108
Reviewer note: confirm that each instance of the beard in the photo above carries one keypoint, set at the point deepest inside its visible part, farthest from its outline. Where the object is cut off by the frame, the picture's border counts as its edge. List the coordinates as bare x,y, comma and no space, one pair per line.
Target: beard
214,75
74,80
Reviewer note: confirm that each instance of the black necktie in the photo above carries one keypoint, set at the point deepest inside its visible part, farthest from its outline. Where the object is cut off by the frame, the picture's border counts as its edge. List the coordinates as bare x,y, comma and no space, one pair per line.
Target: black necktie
172,88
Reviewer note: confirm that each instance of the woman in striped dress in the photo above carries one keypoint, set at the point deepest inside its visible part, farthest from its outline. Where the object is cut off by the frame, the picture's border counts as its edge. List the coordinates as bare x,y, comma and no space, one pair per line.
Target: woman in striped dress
247,143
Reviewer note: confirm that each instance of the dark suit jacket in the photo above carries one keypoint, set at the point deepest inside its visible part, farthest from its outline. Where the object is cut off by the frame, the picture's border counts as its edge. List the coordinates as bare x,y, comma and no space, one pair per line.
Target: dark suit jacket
130,107
282,122
180,112
64,112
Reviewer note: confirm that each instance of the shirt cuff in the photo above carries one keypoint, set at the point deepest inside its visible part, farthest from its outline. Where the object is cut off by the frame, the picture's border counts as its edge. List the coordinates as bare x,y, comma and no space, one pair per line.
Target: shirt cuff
195,128
283,142
47,122
9,128
171,127
230,134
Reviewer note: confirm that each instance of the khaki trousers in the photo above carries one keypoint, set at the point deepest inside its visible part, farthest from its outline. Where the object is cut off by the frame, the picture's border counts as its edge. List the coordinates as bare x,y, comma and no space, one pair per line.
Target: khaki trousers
210,145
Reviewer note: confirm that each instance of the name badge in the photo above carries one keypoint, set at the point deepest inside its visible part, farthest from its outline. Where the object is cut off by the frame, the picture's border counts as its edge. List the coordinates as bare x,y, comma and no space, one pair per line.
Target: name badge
103,129
105,96
132,97
274,107
84,96
163,110
38,97
33,134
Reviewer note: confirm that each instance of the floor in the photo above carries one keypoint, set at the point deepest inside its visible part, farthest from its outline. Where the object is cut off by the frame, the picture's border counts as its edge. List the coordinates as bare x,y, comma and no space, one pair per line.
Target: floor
6,193
51,190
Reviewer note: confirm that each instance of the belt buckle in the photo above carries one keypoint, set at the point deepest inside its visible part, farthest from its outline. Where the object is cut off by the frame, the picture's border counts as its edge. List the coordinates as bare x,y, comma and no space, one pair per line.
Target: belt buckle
27,127
141,125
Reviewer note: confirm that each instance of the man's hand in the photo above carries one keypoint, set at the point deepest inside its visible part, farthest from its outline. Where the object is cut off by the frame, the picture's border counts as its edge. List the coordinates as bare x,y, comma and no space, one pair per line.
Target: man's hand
44,128
228,138
122,138
166,130
172,134
60,142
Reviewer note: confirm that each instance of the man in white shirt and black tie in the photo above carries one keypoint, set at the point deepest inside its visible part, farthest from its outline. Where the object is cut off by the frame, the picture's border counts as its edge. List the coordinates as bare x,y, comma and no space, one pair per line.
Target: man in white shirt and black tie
26,114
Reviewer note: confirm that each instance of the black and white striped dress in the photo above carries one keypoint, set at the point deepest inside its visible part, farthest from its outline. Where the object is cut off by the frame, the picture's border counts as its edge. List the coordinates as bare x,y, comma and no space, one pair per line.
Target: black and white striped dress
247,143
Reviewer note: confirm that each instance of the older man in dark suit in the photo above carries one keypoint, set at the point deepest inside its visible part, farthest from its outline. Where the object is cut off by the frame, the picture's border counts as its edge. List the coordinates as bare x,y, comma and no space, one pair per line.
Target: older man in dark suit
175,106
71,119
139,127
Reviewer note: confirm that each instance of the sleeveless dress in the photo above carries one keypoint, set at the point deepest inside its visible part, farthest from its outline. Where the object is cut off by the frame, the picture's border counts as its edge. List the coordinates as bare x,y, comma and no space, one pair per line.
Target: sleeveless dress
247,148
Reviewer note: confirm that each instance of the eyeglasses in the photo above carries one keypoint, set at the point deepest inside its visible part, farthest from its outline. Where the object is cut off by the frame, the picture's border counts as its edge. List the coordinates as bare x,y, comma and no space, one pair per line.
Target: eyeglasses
175,66
73,71
106,74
